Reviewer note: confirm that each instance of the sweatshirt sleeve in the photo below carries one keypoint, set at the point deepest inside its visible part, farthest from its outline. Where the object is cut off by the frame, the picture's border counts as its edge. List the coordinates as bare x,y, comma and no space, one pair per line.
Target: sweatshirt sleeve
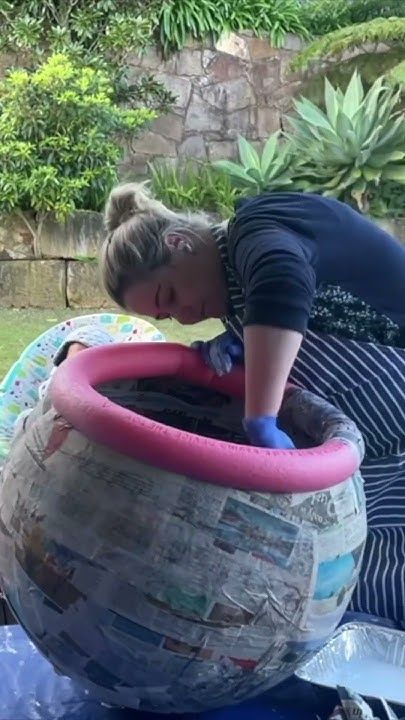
276,269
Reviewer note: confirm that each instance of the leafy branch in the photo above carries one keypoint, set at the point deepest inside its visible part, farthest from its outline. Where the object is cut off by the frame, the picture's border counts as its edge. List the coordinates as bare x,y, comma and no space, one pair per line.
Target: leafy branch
390,31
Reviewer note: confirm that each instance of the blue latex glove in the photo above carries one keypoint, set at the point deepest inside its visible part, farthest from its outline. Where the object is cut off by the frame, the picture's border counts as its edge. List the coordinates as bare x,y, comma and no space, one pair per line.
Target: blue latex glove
222,353
263,432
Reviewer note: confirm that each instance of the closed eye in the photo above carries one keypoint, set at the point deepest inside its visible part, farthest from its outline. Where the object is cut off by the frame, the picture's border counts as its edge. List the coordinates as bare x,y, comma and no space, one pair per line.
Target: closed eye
165,302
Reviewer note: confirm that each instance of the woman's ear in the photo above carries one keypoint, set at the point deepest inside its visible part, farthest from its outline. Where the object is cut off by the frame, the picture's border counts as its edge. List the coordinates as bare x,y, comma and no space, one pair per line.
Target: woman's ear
178,242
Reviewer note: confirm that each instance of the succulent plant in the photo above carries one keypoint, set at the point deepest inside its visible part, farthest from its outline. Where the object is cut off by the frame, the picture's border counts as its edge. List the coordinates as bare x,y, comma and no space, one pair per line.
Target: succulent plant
271,170
354,145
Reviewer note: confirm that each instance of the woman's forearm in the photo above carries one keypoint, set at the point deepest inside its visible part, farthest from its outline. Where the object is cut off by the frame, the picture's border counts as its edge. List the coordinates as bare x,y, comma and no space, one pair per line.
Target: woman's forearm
269,356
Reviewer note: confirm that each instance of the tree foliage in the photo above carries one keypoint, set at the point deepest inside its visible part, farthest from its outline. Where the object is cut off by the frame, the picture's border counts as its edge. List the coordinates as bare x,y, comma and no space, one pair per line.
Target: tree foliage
100,34
59,137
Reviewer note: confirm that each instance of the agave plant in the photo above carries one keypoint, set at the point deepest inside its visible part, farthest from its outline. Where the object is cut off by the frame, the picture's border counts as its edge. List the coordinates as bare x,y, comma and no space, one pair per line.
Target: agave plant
272,170
357,143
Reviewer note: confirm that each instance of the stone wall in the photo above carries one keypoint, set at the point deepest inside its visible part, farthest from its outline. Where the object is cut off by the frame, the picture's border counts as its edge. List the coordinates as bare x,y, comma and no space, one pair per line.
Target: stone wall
56,268
240,85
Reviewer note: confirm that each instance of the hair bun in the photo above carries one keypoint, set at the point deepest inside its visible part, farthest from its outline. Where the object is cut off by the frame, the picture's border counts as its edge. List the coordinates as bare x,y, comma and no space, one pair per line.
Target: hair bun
128,200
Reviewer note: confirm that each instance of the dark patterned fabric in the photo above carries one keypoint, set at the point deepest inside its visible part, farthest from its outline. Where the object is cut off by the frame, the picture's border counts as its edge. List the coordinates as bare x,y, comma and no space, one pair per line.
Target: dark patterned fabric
337,312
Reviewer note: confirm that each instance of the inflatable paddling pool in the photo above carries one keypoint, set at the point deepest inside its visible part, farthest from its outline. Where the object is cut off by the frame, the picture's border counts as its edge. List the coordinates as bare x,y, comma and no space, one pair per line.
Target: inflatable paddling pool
19,388
155,557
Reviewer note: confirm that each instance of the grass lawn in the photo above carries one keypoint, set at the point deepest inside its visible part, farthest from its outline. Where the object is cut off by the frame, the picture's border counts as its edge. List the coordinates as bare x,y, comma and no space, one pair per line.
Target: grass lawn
19,327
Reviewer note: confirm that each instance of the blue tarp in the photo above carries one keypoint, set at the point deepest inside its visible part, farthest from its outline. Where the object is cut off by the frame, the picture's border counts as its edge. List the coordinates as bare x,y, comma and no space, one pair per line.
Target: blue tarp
31,690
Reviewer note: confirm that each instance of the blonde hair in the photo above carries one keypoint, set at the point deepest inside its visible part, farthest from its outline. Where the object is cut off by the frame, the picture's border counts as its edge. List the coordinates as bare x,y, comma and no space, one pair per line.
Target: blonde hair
136,244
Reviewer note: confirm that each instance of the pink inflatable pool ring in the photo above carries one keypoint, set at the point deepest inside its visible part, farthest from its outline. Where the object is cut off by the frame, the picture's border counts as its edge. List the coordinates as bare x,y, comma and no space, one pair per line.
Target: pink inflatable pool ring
227,464
153,555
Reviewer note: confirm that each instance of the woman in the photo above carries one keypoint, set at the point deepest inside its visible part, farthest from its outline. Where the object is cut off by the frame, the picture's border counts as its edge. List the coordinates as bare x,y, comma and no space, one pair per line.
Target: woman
309,290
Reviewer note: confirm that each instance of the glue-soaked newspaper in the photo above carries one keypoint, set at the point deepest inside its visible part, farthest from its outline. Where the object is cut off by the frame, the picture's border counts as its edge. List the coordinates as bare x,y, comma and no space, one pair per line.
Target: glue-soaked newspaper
353,707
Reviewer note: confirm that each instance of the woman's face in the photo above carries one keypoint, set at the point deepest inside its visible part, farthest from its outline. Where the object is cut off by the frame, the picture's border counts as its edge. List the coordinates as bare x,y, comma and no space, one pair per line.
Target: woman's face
190,289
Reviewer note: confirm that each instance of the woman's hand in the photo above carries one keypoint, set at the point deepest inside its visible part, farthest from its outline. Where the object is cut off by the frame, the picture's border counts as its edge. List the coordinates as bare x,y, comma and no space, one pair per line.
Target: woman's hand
264,432
222,353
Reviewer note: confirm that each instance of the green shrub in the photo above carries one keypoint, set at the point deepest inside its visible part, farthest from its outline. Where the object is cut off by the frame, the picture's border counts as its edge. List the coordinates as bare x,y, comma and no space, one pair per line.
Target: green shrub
98,34
101,28
273,170
387,200
353,147
364,10
397,74
390,31
193,185
324,16
59,131
181,19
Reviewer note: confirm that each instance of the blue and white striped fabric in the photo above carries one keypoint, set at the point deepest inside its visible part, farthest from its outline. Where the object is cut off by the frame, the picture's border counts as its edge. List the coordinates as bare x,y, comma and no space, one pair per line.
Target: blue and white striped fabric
367,382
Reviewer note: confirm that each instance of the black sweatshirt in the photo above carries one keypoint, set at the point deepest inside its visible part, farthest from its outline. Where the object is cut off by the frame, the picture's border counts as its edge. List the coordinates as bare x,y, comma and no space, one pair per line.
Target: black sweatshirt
284,246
